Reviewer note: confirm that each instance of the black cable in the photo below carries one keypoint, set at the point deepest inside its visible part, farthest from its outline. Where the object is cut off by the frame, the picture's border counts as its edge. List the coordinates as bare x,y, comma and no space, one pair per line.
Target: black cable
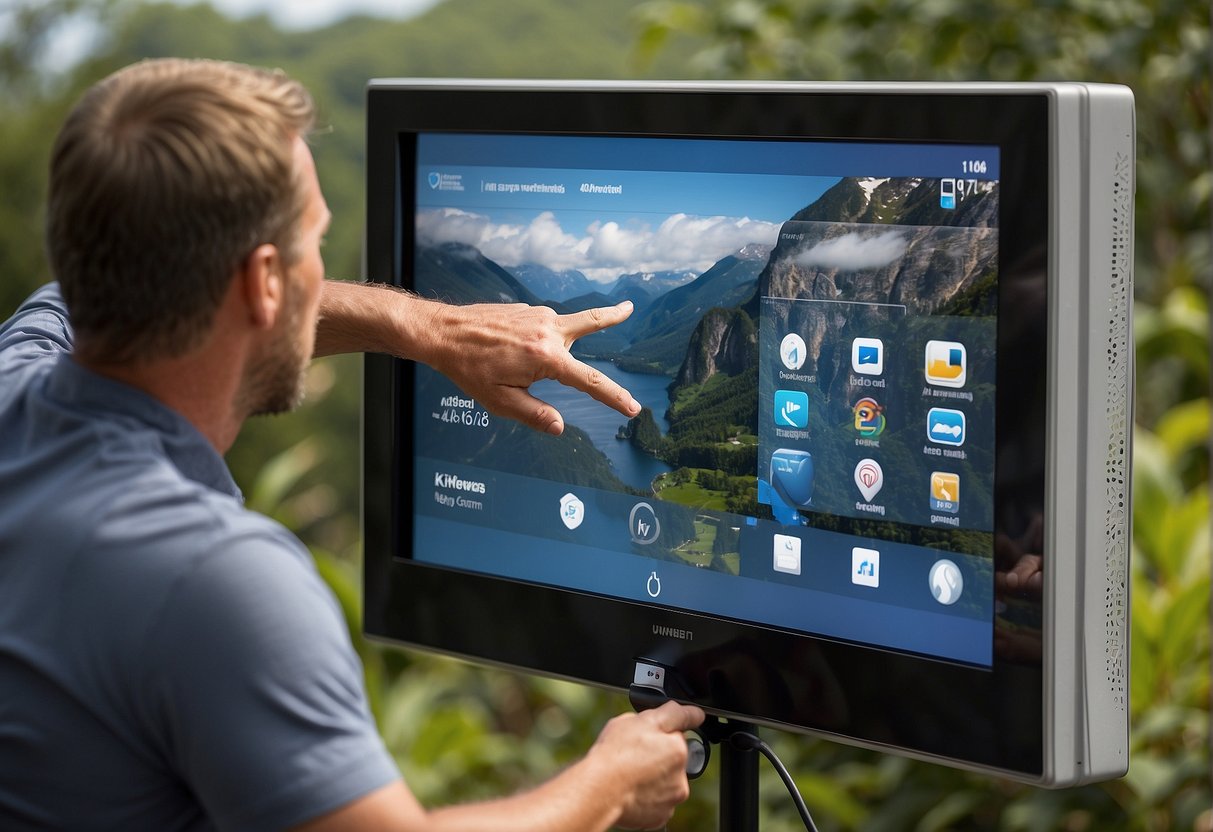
752,742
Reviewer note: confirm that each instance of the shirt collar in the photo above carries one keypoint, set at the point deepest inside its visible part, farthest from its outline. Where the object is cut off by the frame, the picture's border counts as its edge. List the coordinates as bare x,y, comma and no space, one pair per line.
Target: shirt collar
186,448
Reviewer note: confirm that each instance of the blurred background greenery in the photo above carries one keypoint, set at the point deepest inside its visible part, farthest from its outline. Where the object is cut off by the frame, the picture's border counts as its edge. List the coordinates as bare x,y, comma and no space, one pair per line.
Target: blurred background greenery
461,732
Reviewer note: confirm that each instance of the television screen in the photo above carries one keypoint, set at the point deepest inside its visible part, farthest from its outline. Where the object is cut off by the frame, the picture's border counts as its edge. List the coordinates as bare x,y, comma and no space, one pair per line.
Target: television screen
842,337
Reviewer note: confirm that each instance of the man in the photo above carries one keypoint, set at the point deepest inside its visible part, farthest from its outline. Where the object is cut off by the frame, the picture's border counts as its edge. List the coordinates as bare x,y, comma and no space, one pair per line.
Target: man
169,660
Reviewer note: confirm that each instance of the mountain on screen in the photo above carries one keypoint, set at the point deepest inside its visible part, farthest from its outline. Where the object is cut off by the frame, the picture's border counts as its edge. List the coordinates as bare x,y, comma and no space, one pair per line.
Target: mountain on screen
662,331
640,296
666,307
587,301
571,284
928,256
553,285
869,241
652,284
459,273
907,201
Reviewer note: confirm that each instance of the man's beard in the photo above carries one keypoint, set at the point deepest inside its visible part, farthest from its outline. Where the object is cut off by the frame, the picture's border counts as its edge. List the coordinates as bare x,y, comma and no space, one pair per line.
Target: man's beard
274,383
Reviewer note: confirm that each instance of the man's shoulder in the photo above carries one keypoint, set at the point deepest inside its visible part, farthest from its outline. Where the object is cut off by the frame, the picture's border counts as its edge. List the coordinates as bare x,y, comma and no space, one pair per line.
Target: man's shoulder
160,501
127,523
39,329
174,524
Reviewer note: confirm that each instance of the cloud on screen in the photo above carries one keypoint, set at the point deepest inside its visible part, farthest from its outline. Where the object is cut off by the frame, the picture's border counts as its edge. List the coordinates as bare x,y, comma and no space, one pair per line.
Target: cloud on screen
602,250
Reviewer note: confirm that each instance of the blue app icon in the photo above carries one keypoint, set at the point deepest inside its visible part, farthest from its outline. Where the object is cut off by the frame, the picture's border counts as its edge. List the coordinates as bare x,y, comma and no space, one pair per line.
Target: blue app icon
867,356
791,408
946,426
792,476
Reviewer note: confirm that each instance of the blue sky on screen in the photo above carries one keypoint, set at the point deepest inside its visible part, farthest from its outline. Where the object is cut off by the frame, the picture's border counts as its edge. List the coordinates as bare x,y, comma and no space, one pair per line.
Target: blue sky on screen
609,206
659,221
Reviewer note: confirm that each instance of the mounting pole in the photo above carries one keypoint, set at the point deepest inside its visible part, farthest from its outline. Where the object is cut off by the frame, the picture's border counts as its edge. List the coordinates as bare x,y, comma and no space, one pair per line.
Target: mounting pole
738,783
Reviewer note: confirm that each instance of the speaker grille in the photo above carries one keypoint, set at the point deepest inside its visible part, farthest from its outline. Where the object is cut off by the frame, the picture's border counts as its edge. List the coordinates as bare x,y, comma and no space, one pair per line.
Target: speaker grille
1116,468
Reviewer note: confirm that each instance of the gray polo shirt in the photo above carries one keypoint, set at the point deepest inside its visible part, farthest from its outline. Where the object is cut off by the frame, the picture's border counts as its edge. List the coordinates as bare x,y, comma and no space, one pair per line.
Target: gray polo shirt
168,659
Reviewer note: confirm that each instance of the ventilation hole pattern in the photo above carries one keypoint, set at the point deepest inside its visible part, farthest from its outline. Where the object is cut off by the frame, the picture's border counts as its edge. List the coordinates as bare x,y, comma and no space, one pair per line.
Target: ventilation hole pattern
1116,467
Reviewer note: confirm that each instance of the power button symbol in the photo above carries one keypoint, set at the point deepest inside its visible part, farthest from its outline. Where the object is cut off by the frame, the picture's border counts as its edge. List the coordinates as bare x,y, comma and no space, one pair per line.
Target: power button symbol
654,585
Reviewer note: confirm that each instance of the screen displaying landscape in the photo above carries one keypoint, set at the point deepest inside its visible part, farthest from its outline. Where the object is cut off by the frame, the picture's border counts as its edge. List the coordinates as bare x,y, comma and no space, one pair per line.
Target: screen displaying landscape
712,294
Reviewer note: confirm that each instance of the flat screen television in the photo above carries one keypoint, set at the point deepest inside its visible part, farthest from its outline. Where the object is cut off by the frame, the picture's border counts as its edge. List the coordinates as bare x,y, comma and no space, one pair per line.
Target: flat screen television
879,491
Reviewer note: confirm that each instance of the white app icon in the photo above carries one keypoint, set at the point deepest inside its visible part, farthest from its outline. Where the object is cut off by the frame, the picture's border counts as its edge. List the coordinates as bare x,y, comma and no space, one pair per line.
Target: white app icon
792,351
946,582
865,567
869,477
572,511
787,554
643,523
867,356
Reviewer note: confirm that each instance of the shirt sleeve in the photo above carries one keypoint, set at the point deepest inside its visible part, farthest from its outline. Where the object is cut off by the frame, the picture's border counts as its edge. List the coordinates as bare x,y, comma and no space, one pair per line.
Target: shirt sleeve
259,691
38,329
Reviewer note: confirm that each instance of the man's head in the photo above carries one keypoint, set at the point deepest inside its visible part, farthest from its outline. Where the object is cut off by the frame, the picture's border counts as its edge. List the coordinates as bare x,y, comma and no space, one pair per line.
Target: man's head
165,178
273,378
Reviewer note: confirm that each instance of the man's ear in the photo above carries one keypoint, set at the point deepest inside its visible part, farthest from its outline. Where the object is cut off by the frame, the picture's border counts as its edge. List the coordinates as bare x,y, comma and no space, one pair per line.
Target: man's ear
261,281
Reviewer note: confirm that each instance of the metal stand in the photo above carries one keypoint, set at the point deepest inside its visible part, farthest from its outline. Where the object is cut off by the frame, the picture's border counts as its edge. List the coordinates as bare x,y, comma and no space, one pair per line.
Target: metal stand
738,784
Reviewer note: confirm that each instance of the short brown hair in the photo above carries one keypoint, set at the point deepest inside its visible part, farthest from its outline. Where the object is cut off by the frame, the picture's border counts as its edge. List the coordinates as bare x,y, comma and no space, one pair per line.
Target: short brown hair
165,176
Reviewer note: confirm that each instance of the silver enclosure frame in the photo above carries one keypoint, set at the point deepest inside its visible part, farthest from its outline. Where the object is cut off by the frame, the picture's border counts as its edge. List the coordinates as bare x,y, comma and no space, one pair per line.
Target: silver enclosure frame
1087,296
1091,382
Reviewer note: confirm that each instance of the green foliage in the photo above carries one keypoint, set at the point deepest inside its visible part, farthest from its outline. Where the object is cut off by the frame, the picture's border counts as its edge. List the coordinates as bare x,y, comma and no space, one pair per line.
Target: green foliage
461,732
706,413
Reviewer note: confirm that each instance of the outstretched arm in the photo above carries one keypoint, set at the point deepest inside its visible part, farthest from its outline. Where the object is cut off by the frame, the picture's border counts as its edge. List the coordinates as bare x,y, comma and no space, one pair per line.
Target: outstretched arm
494,352
633,777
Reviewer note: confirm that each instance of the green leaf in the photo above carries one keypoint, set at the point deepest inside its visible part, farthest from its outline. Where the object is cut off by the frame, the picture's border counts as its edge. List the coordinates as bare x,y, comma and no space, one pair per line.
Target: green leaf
1185,427
822,795
1031,815
282,473
1185,642
1182,534
1161,723
1155,779
951,811
1156,486
343,579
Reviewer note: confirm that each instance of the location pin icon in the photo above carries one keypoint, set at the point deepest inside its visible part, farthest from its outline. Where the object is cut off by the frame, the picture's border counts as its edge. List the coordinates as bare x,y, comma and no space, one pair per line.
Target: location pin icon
869,478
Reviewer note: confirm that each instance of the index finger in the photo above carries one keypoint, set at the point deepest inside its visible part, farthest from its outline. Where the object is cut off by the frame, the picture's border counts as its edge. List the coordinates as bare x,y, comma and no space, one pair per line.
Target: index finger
672,716
581,376
1027,566
578,324
1025,573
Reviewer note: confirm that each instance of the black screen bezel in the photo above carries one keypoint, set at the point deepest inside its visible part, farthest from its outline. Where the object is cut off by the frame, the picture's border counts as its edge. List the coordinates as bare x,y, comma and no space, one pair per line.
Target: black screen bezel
986,718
